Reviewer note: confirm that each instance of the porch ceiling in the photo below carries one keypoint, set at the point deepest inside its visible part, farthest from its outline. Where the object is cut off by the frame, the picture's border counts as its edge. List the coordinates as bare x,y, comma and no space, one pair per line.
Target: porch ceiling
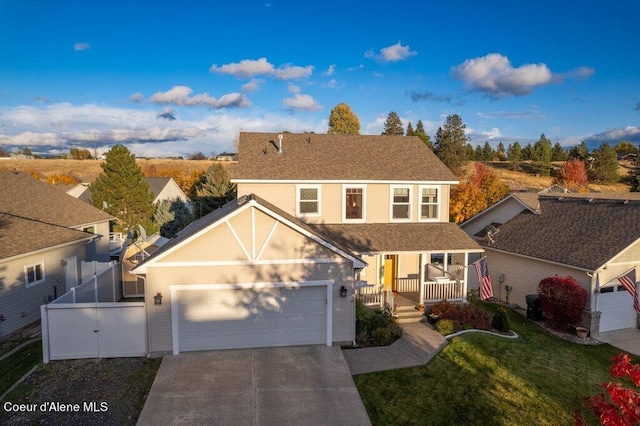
398,237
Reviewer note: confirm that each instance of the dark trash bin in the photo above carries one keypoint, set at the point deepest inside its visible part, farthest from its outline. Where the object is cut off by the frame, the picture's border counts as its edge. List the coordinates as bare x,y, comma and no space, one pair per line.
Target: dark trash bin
534,309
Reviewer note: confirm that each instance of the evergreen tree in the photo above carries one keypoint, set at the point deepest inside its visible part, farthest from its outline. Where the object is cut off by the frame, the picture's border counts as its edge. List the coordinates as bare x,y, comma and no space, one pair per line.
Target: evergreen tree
478,154
488,153
343,121
580,152
514,155
605,165
171,216
122,191
542,156
393,125
450,143
410,131
501,153
527,152
558,153
423,135
635,176
470,153
213,190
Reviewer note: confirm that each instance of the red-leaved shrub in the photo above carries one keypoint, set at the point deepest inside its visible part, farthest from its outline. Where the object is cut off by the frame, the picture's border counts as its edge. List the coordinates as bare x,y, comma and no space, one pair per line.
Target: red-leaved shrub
562,301
466,316
620,405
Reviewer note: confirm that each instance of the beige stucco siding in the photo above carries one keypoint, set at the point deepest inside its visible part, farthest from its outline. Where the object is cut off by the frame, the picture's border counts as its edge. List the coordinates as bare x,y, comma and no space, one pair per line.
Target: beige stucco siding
524,275
377,200
21,305
159,279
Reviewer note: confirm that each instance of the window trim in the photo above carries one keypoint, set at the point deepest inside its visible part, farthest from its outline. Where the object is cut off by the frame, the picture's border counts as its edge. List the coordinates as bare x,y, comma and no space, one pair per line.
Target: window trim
346,186
392,188
438,203
36,282
298,200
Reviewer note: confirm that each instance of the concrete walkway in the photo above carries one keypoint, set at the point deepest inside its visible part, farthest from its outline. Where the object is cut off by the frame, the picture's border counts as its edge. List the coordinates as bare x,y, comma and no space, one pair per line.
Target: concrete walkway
418,344
628,339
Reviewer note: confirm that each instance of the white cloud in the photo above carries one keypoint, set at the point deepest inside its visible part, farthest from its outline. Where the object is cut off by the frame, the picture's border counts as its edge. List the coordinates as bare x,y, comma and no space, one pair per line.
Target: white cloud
78,47
252,86
136,98
292,88
613,136
494,75
393,53
181,95
301,103
249,68
330,71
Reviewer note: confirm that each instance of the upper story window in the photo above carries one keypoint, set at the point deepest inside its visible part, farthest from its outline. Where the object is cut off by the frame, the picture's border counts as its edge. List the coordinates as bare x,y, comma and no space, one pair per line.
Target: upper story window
400,203
354,203
429,203
308,200
34,274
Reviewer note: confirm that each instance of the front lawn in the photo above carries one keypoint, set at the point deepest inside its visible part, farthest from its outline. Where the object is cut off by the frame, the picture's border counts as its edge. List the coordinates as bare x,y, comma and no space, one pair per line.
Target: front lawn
481,379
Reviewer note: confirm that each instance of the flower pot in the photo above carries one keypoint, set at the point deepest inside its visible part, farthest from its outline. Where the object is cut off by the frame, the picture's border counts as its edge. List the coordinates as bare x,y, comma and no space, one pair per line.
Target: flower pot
581,332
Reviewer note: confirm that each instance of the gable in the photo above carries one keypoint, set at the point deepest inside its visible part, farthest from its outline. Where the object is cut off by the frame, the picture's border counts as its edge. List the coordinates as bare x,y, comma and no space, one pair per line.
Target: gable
251,236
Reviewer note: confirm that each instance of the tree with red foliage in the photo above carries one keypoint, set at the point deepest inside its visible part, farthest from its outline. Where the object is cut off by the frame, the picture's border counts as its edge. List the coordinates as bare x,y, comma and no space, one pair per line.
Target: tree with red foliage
574,175
562,300
621,405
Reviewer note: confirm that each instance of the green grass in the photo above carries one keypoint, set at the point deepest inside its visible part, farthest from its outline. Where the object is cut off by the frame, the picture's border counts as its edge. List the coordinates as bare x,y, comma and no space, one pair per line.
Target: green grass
479,379
18,364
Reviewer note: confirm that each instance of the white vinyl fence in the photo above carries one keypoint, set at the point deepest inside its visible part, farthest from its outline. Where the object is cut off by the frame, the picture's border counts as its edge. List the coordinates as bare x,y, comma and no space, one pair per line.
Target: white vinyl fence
89,322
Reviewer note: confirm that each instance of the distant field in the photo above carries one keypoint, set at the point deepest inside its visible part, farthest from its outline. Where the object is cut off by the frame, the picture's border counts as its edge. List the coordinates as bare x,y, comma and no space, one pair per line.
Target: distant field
88,170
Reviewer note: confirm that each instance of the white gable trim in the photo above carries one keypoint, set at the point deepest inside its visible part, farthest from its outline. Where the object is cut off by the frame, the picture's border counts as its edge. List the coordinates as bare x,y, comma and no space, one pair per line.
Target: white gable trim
350,182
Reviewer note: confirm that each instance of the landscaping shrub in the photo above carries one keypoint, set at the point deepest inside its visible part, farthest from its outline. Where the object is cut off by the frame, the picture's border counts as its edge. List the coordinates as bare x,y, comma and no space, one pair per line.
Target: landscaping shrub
445,310
467,316
501,320
375,328
446,327
562,301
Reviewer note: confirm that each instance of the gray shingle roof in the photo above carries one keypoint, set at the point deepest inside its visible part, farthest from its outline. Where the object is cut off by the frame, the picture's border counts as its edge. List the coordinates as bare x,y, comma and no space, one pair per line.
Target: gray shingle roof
157,184
398,237
337,157
582,230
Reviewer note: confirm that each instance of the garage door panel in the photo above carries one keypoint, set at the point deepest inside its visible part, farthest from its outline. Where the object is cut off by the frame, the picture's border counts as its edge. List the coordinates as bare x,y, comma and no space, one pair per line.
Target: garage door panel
616,310
243,318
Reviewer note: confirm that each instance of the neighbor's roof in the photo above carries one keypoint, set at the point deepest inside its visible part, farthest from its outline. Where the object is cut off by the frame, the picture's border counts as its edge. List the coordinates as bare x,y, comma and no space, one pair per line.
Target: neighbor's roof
582,230
337,157
398,237
204,222
157,184
23,196
19,235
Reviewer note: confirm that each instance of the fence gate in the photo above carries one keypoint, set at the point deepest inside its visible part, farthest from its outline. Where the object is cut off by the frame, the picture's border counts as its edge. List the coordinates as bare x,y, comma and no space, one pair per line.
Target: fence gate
93,330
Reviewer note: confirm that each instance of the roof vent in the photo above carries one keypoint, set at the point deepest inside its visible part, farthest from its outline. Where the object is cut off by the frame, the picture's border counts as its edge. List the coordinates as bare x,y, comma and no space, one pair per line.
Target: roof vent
280,143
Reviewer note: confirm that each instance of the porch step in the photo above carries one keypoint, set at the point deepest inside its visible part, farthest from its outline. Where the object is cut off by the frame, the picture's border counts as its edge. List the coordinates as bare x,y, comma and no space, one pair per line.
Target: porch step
408,315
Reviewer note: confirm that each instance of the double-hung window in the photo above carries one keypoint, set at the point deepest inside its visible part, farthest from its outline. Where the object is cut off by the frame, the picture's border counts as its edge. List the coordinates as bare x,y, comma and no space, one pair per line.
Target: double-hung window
429,203
400,203
308,200
34,274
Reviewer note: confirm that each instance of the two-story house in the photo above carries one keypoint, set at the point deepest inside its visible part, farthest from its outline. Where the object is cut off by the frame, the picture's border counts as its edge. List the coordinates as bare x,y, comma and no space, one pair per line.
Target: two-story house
45,235
316,216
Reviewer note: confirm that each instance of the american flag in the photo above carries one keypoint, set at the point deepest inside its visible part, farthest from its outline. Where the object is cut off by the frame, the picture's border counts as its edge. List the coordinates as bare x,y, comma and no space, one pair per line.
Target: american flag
482,269
628,281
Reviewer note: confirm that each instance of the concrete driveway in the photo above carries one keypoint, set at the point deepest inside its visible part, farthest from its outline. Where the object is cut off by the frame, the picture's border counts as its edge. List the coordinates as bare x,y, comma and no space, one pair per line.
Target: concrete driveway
308,385
628,339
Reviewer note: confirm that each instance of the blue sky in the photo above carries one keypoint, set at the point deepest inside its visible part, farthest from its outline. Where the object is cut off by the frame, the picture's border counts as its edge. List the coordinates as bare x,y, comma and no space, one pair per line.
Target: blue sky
175,78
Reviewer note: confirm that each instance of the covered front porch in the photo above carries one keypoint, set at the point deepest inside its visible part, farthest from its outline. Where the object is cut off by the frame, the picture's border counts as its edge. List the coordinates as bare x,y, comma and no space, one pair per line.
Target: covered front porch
423,278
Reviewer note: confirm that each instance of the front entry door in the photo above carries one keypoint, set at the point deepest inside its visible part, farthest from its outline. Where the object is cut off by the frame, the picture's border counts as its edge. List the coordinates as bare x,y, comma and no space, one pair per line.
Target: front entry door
390,272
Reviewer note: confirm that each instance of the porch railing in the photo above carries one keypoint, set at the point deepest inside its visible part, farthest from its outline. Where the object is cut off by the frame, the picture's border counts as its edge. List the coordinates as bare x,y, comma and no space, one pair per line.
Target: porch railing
408,285
451,290
371,295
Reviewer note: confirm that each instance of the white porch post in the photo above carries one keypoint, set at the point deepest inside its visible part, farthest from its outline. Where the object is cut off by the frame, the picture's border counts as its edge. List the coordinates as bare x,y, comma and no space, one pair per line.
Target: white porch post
421,269
465,276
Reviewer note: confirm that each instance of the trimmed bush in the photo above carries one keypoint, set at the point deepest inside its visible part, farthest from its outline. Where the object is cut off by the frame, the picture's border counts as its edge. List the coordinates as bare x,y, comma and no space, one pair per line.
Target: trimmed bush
467,315
501,320
446,327
562,300
375,328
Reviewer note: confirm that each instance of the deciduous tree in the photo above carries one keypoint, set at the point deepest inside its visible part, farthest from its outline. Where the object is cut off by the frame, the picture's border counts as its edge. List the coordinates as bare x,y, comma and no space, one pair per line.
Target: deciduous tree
393,125
343,121
467,200
574,175
122,191
450,143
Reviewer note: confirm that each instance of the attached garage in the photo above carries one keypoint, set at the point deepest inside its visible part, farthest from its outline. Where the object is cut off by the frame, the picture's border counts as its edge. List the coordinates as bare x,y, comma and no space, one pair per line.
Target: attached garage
616,309
208,317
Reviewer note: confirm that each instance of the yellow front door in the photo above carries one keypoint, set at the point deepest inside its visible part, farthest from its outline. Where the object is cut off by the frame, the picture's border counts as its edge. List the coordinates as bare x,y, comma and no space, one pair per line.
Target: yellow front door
390,272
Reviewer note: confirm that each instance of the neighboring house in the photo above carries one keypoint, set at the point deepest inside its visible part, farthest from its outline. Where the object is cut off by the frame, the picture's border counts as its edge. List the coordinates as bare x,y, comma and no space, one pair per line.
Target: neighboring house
21,156
227,156
135,253
315,216
594,238
44,237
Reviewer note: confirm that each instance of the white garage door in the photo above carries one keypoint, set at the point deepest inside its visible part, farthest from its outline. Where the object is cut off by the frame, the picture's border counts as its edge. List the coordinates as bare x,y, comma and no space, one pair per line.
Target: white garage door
616,307
248,318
